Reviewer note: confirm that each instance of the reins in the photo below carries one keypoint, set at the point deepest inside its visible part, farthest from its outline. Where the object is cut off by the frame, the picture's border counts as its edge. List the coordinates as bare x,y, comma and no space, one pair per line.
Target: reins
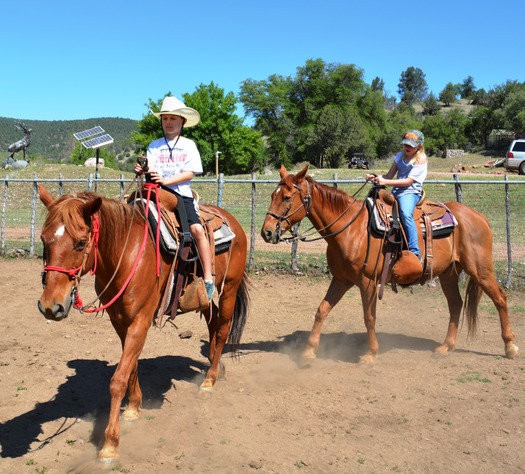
306,203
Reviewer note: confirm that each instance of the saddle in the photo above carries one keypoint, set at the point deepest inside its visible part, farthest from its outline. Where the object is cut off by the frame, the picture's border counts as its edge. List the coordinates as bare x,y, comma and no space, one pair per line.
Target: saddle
434,220
184,290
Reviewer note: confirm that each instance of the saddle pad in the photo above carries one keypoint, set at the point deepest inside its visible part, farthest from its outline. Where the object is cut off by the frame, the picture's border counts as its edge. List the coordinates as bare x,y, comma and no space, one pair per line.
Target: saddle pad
168,242
440,227
222,236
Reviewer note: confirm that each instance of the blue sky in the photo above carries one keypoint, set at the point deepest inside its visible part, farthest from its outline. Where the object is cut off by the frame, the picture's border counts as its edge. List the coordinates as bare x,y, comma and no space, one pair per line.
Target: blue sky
66,60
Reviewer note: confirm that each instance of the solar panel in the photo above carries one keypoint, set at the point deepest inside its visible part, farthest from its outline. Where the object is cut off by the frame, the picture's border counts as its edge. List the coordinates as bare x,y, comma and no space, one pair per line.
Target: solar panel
88,133
98,141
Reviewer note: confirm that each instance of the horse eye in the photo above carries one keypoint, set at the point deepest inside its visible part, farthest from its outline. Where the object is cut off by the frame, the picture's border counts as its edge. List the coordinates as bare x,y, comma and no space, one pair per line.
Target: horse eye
287,198
80,245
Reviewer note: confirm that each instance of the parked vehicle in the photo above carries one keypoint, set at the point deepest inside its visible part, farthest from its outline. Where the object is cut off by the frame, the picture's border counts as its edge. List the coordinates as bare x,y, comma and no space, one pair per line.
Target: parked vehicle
515,157
358,161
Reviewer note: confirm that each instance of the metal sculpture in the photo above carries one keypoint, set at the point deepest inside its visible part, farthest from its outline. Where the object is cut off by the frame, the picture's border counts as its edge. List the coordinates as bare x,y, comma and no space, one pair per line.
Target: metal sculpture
22,144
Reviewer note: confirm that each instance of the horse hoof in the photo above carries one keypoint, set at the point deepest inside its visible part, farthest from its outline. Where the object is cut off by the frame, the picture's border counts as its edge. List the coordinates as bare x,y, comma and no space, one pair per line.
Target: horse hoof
307,358
511,351
204,393
108,456
305,362
130,415
367,359
443,350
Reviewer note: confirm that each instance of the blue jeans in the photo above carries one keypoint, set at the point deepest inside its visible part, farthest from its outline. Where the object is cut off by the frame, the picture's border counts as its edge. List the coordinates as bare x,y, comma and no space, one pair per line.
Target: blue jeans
407,204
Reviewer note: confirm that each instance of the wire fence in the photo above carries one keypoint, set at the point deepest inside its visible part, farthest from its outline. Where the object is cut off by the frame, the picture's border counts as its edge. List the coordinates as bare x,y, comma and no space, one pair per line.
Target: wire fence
501,200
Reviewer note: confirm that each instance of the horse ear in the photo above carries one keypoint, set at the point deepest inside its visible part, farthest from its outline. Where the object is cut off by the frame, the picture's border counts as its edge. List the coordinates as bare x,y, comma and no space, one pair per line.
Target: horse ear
283,172
300,176
45,196
91,207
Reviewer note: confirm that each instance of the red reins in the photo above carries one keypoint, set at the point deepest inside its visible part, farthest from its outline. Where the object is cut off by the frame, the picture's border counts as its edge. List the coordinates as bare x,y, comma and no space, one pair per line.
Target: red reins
74,274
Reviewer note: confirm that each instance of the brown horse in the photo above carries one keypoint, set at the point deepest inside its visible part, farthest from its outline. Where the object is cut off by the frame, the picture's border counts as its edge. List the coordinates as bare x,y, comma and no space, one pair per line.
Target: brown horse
86,232
343,222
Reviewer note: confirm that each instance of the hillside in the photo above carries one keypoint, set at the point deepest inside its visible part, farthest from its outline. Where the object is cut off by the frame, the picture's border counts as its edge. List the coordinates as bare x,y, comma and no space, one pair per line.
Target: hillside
54,140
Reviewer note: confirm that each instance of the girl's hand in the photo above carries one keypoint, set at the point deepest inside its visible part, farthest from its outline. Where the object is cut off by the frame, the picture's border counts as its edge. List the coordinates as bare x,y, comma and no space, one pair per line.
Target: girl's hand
379,181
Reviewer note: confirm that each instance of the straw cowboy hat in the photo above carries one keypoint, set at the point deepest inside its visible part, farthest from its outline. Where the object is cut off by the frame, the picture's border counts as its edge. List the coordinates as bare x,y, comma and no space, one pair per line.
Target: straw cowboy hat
173,106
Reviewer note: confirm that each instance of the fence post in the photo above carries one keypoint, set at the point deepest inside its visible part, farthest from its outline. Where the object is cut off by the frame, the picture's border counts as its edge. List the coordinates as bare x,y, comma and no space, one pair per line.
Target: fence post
90,182
220,186
251,258
4,216
32,229
509,249
335,180
60,185
457,187
295,247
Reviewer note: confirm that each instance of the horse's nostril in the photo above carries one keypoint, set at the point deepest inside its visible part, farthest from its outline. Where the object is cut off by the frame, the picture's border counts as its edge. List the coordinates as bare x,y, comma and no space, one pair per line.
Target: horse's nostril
267,235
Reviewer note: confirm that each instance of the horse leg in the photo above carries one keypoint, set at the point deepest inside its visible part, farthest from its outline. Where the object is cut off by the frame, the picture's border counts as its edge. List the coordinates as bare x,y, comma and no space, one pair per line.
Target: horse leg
134,395
335,292
368,291
219,323
133,343
498,296
450,288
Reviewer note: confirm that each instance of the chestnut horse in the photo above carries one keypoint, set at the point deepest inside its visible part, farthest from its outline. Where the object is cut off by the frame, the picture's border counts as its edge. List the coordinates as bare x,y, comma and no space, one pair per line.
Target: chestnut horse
343,222
87,232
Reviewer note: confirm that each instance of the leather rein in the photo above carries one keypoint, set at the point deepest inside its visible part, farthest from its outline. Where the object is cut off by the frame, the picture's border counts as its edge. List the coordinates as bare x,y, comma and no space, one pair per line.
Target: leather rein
306,203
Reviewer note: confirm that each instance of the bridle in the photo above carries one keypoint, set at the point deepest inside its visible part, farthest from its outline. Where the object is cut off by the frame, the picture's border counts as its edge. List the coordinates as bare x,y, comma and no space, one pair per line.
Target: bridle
74,274
306,203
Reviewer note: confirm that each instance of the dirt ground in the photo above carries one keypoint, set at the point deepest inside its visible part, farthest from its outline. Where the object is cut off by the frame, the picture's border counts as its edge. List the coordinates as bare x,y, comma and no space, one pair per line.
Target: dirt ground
409,412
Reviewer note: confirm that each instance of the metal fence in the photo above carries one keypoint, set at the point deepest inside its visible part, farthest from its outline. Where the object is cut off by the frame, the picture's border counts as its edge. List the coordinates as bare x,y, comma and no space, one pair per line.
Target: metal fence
502,200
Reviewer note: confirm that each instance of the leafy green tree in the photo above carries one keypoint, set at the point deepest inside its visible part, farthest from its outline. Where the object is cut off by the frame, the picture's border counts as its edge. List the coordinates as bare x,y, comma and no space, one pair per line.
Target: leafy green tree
288,111
480,123
378,84
430,105
445,131
412,86
514,110
480,97
449,94
337,134
268,103
467,88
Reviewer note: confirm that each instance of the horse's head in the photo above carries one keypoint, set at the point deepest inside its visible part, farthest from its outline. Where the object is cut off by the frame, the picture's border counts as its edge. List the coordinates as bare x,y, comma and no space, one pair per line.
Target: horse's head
290,203
66,237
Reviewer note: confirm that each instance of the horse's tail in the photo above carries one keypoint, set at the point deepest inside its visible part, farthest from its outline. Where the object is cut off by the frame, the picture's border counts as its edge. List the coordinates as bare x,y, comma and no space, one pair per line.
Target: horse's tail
240,313
470,306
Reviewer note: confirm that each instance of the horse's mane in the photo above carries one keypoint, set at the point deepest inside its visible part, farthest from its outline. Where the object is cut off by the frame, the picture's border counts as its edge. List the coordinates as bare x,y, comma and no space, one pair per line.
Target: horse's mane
336,199
114,214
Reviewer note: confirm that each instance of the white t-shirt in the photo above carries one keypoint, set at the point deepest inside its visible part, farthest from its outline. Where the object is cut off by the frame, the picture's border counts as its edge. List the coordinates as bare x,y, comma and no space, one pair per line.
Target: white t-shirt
173,157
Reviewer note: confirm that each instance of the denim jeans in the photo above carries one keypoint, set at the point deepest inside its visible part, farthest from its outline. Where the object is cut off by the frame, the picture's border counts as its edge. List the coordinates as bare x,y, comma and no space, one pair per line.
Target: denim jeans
407,204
